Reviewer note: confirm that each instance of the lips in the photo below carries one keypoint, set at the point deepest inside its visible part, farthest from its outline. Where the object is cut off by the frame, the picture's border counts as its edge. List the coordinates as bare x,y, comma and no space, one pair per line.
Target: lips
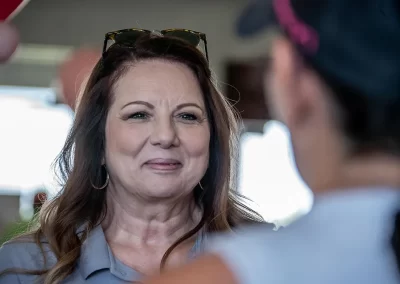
164,164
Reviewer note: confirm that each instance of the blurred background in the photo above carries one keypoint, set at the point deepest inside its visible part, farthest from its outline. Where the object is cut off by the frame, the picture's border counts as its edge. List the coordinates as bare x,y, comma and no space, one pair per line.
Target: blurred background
61,40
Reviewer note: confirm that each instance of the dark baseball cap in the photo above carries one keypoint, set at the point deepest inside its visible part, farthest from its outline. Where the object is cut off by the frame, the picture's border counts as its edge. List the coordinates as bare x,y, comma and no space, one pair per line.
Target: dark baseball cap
357,42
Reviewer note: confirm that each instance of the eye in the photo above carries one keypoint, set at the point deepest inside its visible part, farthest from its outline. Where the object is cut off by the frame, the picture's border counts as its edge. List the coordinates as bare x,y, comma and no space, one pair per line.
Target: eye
139,115
188,116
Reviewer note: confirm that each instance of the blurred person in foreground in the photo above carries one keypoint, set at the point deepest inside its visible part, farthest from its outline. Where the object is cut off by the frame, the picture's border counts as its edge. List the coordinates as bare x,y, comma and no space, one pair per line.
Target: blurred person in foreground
335,82
148,169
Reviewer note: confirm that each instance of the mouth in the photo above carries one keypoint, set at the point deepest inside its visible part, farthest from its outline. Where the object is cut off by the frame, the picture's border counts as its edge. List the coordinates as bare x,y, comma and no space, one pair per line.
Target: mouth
164,164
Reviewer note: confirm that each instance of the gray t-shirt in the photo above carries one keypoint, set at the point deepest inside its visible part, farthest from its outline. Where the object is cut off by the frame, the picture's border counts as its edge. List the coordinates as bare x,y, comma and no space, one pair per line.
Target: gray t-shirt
97,264
344,240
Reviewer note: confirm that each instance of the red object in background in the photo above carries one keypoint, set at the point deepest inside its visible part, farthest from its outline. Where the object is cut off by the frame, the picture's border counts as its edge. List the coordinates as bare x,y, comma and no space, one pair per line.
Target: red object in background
40,198
38,201
74,72
7,7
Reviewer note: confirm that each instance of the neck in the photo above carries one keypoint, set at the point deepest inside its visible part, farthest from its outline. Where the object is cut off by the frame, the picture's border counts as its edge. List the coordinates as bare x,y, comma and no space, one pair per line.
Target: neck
367,171
132,221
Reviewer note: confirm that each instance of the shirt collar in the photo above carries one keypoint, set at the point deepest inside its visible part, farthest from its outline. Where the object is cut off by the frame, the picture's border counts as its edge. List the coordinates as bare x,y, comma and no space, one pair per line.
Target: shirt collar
97,255
94,253
361,208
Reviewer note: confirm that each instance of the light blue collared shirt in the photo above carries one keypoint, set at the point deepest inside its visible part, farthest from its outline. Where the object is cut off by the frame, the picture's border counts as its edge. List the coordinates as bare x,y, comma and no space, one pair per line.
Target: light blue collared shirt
344,240
96,264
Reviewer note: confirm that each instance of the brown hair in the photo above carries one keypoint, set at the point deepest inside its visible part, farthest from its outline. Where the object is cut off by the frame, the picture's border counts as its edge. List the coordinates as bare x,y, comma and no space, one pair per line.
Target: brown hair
80,160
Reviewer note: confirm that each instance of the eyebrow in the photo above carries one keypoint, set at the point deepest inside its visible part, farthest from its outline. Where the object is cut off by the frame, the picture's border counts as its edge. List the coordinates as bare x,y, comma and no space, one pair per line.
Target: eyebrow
150,106
181,106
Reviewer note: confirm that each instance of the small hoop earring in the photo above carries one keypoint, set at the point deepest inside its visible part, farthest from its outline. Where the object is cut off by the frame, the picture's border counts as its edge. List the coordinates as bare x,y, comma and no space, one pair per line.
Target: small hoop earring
201,186
104,185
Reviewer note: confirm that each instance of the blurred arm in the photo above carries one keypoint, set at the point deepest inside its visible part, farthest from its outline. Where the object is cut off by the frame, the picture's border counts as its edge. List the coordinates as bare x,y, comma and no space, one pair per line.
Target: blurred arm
206,269
246,256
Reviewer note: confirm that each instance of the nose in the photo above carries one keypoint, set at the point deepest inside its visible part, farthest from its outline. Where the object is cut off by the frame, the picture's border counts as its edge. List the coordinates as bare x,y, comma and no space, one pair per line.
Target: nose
164,134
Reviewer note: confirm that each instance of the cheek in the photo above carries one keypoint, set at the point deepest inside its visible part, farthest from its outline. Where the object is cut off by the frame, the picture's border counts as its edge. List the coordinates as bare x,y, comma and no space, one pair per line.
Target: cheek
196,142
124,139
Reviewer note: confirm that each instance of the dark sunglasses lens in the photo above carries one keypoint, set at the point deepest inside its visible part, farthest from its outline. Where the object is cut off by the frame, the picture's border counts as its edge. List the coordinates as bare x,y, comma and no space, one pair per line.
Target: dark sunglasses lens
190,37
127,37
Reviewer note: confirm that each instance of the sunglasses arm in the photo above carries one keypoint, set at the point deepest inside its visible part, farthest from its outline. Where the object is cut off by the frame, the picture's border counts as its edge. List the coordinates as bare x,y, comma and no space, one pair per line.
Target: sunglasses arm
105,44
205,46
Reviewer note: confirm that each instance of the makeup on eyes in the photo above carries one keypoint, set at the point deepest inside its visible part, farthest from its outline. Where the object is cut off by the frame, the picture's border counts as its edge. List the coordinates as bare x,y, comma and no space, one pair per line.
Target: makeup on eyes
145,108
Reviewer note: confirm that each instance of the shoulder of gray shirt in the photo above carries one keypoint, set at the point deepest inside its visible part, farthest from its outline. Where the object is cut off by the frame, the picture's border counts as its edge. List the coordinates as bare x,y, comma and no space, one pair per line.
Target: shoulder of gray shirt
24,253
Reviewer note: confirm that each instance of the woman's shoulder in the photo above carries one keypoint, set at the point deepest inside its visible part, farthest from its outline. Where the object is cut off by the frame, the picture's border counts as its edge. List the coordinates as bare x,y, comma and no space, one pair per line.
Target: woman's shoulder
25,253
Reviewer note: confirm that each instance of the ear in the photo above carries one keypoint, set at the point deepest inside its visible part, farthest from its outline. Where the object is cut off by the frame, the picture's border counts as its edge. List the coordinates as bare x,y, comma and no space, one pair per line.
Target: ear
288,84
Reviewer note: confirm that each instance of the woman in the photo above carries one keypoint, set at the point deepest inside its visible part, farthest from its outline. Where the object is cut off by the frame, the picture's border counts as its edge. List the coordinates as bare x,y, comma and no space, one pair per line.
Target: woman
148,169
335,82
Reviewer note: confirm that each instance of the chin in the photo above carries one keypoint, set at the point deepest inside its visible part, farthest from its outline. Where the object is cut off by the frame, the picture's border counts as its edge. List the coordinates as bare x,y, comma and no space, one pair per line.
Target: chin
163,195
163,192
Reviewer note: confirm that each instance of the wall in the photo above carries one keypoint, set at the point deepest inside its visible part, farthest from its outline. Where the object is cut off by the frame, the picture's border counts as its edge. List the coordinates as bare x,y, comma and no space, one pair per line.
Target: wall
9,205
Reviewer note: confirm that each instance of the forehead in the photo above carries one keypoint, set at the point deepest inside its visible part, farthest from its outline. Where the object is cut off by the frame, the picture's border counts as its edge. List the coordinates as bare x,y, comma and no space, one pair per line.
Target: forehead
155,80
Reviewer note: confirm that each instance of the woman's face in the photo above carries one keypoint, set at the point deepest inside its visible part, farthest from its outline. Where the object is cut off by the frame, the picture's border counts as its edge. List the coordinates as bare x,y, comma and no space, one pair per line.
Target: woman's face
157,132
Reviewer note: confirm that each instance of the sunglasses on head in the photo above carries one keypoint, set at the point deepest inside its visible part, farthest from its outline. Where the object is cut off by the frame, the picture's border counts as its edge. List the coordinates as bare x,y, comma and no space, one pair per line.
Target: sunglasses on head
129,36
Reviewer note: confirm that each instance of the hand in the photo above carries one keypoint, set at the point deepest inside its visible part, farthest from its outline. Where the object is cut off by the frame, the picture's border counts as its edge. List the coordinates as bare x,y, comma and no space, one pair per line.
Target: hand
9,39
208,269
9,36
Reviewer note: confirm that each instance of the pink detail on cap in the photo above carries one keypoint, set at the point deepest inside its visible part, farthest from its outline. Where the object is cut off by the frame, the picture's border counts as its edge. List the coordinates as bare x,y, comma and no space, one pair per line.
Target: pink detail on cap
299,32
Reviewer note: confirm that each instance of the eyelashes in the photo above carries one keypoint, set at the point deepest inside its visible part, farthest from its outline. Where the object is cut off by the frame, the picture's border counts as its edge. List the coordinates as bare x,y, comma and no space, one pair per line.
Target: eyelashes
188,116
139,115
184,116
